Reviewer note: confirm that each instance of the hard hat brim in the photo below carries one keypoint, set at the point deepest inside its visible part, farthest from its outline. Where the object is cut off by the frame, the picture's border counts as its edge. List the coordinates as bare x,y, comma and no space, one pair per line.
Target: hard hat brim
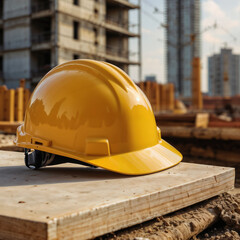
154,159
145,161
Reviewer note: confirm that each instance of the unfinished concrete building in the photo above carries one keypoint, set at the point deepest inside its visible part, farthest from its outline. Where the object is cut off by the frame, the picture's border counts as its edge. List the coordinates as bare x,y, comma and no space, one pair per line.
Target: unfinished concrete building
36,35
224,73
183,44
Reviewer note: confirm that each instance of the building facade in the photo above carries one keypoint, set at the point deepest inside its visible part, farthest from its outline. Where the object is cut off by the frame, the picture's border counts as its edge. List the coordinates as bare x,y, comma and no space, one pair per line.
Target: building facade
36,35
224,74
183,43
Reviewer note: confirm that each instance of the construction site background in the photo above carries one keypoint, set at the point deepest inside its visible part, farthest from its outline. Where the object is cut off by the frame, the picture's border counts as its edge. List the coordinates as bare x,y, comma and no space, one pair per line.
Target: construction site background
37,35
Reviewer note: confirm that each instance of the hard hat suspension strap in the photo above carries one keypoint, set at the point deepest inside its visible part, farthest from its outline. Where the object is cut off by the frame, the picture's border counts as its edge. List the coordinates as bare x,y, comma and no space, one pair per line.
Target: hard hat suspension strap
37,159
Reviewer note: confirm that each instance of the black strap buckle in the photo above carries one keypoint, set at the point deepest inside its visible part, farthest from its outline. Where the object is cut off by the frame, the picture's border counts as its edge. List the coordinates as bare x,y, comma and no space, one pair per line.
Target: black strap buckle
36,159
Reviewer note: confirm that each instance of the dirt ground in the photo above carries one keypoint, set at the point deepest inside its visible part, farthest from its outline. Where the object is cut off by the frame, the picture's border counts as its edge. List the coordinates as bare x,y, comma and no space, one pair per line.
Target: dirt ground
6,139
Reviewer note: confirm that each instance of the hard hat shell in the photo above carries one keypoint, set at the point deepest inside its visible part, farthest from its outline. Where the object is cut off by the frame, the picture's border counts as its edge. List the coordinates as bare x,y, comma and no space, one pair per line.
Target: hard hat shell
93,112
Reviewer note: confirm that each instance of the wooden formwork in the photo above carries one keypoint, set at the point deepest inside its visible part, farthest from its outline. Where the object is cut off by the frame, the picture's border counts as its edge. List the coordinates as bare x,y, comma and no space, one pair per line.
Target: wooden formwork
197,101
3,90
13,103
170,97
161,96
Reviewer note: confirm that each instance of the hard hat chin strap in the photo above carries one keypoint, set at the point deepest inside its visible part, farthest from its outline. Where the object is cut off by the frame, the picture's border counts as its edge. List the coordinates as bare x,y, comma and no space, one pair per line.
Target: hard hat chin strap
38,159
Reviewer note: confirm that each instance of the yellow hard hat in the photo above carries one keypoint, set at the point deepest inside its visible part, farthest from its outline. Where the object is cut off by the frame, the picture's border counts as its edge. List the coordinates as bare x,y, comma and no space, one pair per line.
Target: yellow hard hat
92,112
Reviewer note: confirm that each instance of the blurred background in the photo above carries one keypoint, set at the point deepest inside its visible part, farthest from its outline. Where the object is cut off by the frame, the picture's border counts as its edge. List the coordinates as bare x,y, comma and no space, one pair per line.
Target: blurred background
193,45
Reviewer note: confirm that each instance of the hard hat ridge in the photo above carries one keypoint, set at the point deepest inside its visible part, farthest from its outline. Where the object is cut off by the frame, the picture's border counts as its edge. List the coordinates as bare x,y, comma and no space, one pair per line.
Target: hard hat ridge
105,71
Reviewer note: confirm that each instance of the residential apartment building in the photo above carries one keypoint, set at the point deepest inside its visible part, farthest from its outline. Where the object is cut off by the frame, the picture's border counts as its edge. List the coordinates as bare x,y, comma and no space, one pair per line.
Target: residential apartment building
224,73
36,35
183,43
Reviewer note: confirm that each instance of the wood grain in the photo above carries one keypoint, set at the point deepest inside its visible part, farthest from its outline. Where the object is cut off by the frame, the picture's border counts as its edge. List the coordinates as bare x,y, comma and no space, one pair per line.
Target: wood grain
73,202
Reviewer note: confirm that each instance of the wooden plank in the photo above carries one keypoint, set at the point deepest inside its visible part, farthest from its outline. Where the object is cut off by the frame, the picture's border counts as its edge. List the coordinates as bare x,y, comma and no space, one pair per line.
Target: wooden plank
13,103
220,124
230,134
19,102
202,120
3,90
207,133
189,117
9,127
170,96
73,202
200,133
148,90
142,86
197,101
153,95
178,132
27,95
158,99
163,95
9,105
11,147
173,124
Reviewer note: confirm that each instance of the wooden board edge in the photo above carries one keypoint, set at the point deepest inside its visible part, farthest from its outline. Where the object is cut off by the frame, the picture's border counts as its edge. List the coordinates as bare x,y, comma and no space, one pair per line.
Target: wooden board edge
21,229
105,219
11,148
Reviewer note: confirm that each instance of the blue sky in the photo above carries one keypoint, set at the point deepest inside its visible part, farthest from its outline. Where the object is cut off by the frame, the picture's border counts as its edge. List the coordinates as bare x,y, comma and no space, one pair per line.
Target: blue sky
226,13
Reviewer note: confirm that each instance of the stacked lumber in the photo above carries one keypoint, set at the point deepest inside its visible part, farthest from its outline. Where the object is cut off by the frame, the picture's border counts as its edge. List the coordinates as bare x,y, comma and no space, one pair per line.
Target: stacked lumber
195,120
232,124
202,133
186,120
216,121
